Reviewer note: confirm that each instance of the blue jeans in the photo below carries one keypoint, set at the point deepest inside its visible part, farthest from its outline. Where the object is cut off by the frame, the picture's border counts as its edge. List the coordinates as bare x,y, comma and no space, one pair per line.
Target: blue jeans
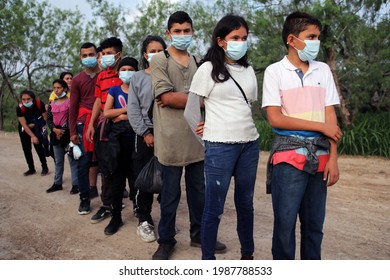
84,162
222,161
59,158
170,198
296,192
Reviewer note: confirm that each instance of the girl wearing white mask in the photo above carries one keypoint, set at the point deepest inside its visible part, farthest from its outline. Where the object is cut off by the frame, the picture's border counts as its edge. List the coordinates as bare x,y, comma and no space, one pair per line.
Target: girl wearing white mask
228,86
139,108
57,120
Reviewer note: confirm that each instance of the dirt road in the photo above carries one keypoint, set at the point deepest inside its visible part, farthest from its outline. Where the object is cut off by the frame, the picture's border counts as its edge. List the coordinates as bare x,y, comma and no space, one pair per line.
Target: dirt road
37,225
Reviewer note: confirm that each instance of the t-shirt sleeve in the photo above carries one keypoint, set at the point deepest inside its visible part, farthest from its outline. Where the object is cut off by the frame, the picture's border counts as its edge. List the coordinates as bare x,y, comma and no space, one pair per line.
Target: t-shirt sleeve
202,82
161,82
271,95
43,107
19,112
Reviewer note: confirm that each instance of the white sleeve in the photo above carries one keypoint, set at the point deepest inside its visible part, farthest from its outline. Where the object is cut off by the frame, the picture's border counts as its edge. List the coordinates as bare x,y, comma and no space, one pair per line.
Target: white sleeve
271,90
193,114
202,83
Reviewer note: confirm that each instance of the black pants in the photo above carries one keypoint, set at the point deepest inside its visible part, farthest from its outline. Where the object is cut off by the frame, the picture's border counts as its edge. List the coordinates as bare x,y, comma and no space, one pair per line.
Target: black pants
121,149
25,139
142,154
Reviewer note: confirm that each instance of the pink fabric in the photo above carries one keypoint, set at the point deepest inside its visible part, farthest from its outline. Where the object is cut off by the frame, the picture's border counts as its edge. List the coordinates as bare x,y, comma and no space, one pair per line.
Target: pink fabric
60,112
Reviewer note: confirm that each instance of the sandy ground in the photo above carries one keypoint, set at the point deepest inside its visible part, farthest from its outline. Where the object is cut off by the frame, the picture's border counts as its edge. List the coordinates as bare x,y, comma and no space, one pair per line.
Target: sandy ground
36,225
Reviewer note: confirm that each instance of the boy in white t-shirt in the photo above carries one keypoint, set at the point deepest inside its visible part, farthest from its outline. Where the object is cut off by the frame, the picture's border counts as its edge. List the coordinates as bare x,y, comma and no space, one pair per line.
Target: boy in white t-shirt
299,95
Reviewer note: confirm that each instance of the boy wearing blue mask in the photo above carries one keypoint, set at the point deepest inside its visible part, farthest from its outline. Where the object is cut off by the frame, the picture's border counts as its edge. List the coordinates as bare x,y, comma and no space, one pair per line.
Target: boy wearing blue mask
299,95
175,146
110,58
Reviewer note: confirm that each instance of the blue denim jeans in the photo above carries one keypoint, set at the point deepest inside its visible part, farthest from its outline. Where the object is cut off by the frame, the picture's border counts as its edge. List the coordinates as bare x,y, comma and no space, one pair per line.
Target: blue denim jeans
222,161
170,198
297,193
84,162
59,158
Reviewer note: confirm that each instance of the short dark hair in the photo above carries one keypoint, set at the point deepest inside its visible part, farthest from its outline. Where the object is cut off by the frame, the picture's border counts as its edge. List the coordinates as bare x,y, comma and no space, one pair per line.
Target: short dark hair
297,22
88,45
63,74
216,54
145,43
28,92
112,42
178,17
62,83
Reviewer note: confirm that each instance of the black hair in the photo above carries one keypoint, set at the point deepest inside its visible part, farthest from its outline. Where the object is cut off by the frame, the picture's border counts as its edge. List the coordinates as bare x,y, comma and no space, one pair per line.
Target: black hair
87,46
297,22
63,74
145,43
216,54
178,17
28,92
112,42
62,83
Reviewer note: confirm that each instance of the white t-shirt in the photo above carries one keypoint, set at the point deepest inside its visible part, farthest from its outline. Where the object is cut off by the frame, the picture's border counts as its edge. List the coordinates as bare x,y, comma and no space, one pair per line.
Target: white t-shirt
228,116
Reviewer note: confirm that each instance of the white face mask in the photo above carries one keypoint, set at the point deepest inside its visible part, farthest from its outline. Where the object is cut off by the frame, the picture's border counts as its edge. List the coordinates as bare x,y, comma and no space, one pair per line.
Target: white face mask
126,76
63,94
150,55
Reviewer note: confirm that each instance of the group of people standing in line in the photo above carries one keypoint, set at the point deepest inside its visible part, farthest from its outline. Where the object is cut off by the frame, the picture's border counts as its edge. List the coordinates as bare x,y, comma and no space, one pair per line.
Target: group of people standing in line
195,116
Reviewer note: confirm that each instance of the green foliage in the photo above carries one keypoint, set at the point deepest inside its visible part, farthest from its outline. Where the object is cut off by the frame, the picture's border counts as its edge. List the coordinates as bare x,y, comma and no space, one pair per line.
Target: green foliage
369,135
266,135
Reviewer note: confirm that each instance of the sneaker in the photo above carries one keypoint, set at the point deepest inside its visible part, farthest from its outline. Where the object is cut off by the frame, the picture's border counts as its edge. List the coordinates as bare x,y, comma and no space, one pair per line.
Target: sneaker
93,192
164,251
29,172
113,226
219,246
85,206
45,171
146,232
100,215
54,188
74,190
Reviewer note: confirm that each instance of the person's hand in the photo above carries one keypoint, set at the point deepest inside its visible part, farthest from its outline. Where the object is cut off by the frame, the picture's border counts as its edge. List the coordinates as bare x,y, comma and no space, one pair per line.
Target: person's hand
333,131
159,102
331,172
90,133
35,140
199,128
149,140
75,139
121,117
31,125
59,132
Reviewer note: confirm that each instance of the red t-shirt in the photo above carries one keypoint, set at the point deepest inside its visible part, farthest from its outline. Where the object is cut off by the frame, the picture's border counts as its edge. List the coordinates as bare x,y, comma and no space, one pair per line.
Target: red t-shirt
106,80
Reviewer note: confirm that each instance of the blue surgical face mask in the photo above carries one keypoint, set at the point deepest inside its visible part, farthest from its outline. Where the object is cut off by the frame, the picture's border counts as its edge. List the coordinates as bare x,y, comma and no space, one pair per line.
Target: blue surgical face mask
108,60
126,76
28,104
181,42
310,51
89,62
150,55
236,49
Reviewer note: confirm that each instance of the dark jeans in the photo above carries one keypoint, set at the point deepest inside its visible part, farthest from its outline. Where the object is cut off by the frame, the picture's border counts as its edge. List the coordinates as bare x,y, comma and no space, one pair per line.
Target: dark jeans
297,193
222,161
25,140
143,200
84,162
170,198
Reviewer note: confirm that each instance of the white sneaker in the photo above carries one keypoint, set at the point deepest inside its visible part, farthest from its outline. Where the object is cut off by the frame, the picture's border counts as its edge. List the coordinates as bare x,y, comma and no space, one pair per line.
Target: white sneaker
146,232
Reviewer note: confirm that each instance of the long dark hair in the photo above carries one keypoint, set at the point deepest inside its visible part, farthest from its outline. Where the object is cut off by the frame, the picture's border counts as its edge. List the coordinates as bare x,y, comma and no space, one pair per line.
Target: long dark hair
216,54
145,43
